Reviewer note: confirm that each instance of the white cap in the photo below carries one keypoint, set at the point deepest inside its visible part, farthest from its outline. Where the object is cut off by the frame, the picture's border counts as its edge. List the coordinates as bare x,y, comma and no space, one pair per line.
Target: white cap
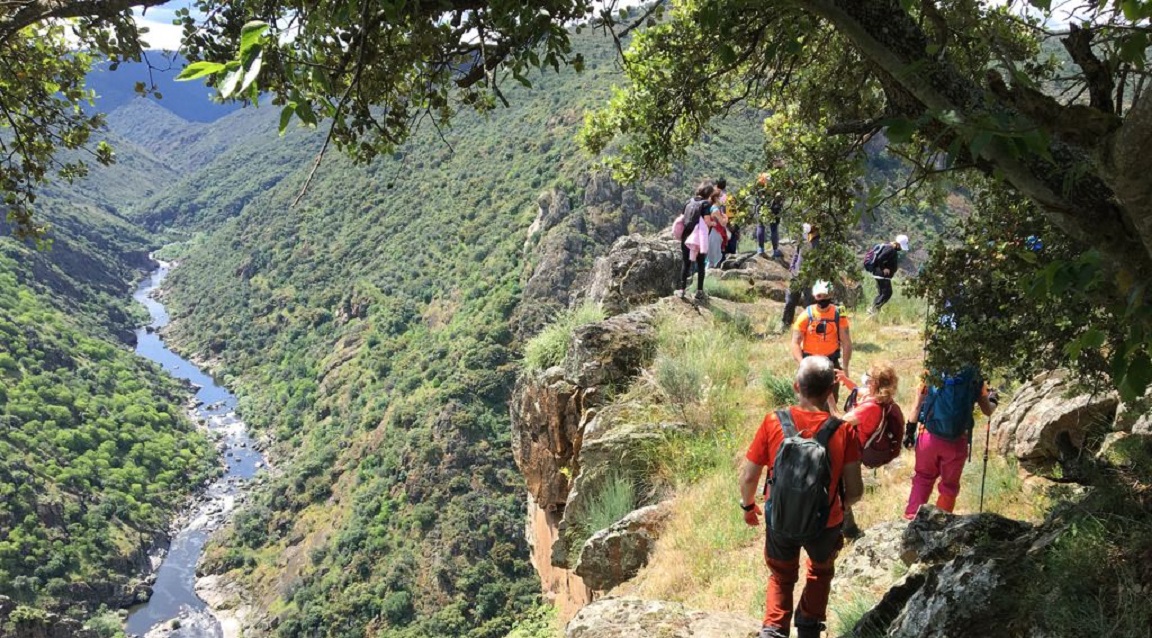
821,288
807,228
903,241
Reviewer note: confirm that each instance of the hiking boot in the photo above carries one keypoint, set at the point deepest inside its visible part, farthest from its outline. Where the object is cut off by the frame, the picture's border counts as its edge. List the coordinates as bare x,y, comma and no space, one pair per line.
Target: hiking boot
701,296
679,293
771,632
807,628
776,254
853,533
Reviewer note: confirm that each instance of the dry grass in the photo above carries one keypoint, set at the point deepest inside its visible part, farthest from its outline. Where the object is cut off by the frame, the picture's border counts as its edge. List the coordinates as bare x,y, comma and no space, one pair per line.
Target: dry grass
707,557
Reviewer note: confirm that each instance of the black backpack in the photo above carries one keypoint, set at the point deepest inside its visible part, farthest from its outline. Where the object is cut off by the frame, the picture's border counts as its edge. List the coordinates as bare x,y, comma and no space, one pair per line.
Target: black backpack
798,504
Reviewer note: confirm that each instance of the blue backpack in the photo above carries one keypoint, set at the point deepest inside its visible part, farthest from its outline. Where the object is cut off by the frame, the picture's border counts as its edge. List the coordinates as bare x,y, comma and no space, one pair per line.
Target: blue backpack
947,410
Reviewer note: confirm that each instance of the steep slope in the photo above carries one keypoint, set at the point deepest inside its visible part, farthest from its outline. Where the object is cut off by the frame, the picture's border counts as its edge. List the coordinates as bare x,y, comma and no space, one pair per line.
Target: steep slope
96,453
369,331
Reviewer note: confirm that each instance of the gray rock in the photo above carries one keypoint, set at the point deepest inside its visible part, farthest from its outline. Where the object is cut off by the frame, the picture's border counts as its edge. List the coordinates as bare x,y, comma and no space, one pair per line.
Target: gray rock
616,554
636,271
1049,425
613,617
612,351
870,561
935,535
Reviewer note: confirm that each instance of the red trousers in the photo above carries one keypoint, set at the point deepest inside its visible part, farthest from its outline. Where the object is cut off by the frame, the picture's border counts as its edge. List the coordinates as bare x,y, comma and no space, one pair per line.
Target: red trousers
783,558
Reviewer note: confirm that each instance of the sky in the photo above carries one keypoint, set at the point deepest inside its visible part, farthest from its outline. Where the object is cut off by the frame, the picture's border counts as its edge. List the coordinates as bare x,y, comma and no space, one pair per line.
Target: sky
165,35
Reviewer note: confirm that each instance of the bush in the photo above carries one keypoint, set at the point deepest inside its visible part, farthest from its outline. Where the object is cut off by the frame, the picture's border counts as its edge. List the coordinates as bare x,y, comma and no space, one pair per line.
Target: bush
549,348
778,389
612,502
730,290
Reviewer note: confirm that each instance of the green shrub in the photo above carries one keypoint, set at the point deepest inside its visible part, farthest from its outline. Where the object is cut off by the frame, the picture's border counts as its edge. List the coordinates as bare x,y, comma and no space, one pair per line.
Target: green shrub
106,625
612,502
730,290
539,622
846,614
736,322
778,389
549,348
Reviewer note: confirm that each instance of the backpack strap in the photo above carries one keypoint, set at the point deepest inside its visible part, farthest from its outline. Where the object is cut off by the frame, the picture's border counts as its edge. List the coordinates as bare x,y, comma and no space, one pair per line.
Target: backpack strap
787,425
880,428
827,430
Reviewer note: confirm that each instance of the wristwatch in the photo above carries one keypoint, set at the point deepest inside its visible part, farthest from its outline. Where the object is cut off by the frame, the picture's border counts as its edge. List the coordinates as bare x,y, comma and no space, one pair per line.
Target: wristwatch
748,507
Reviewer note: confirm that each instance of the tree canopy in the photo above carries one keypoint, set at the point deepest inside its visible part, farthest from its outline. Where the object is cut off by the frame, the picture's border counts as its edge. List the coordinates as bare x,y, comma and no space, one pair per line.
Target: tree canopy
964,91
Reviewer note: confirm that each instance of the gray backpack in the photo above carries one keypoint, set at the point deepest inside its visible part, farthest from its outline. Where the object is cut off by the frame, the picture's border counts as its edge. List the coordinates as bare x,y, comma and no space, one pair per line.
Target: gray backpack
801,480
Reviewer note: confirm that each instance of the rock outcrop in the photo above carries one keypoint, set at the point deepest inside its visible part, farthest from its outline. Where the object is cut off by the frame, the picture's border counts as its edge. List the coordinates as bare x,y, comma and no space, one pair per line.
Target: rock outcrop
766,277
616,554
636,618
636,271
567,441
1050,425
871,562
966,576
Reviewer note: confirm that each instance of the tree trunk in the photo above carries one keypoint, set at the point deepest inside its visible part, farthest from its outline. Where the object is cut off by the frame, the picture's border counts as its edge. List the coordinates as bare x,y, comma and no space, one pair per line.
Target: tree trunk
1074,190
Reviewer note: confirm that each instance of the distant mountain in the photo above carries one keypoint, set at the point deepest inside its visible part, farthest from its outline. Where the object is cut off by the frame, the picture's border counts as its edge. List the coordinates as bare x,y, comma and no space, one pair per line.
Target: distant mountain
188,100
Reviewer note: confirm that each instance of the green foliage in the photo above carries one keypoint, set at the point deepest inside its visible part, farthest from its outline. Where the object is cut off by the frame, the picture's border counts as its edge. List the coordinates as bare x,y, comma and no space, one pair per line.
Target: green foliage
539,622
549,348
95,453
1017,285
779,389
106,625
614,499
730,290
847,613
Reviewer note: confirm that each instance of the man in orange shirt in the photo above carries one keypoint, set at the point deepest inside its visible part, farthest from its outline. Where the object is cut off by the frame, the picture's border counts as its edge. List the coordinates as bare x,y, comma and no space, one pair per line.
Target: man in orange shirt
839,455
822,330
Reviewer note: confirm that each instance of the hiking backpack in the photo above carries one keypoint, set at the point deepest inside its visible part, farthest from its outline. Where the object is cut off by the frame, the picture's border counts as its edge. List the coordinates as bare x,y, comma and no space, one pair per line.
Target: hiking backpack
824,331
798,504
870,257
678,227
947,410
883,445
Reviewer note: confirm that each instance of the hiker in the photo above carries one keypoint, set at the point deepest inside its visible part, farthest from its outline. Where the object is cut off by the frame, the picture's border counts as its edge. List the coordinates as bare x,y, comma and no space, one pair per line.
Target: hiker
696,212
883,268
944,413
797,293
733,239
718,235
824,463
822,330
777,209
877,422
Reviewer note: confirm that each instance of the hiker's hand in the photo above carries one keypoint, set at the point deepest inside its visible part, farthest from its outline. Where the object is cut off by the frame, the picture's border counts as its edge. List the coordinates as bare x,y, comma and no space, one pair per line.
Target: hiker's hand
910,435
994,397
887,272
842,377
752,516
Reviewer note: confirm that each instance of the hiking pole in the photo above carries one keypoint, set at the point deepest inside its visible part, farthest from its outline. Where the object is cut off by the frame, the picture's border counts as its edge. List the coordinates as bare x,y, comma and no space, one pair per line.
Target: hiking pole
984,473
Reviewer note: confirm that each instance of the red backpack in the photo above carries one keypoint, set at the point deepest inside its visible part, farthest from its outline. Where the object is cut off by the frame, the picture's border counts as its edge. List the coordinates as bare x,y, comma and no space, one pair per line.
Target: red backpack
881,445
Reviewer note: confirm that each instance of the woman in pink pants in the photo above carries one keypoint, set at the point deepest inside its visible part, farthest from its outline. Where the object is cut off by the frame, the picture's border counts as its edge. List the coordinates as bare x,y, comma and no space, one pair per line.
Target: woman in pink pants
941,458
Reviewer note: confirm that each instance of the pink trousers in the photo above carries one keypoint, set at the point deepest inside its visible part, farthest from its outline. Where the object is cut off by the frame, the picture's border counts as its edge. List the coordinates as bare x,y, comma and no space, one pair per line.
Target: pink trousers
936,458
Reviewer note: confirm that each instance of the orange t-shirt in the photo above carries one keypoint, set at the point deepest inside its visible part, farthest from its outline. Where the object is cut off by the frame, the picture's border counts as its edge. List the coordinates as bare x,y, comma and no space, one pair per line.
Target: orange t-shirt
842,449
815,343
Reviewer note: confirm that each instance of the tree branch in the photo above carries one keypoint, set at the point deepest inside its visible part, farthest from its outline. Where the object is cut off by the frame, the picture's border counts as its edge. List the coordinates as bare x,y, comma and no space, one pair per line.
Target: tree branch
1078,43
38,11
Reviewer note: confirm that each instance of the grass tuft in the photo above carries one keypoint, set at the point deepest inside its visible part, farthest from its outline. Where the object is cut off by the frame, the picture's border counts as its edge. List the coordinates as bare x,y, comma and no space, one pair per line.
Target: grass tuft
778,389
731,290
549,348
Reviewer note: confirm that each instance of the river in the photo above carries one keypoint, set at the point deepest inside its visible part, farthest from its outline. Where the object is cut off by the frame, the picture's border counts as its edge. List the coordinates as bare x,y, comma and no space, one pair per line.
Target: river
174,594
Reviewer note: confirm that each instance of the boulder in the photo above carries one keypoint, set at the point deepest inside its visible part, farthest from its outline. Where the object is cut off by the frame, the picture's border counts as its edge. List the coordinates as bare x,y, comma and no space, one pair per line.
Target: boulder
610,352
610,442
616,554
935,535
965,578
871,561
1050,424
628,617
636,271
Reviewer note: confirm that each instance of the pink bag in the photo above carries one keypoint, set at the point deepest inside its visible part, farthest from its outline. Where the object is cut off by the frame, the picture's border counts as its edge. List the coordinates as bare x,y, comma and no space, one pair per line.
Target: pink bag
678,227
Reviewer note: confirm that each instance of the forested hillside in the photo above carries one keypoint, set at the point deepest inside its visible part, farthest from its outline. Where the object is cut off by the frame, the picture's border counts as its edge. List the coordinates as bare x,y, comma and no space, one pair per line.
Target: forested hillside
95,451
368,331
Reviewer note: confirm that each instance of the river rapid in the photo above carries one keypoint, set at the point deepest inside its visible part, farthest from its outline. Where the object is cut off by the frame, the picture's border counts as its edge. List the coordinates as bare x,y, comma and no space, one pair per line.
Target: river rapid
173,594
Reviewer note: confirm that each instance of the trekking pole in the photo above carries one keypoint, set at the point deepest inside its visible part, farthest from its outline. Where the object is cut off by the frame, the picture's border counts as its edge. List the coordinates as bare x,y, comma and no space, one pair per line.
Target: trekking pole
984,473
